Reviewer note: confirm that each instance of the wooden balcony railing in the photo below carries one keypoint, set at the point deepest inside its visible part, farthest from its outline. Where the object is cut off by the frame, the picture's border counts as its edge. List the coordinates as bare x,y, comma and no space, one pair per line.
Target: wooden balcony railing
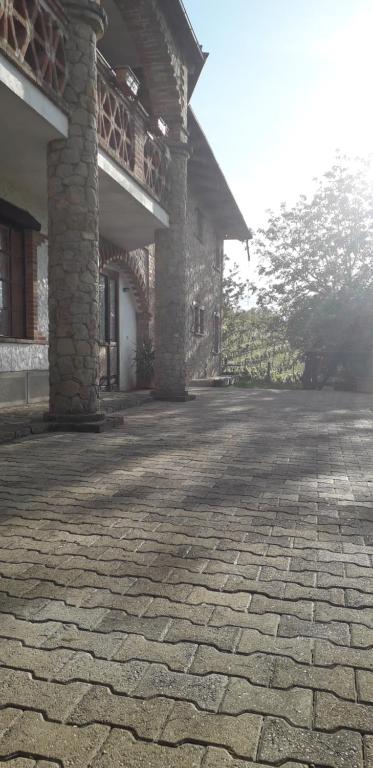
32,34
123,133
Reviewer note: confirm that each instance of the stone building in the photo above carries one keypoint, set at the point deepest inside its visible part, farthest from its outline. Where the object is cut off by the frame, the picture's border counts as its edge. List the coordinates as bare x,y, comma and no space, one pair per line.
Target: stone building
113,209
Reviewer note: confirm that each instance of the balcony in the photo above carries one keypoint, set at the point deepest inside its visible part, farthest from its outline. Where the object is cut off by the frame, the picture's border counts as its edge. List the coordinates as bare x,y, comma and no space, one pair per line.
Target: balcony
32,35
123,134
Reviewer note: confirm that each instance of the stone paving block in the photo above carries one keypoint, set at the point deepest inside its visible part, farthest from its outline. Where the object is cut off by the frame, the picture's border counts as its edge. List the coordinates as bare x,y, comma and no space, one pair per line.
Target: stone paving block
299,564
145,718
20,607
298,648
40,662
307,578
8,717
299,592
18,689
339,680
23,762
277,514
333,713
238,601
177,656
327,653
32,633
326,612
368,751
335,631
246,571
361,636
256,668
183,576
241,696
175,592
329,581
206,691
266,623
280,742
364,682
121,748
71,747
86,618
198,614
102,645
261,604
224,638
239,583
151,628
121,677
239,734
219,758
357,599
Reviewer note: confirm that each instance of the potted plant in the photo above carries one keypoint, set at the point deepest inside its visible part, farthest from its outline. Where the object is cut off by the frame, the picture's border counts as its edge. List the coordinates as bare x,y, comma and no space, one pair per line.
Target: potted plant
144,359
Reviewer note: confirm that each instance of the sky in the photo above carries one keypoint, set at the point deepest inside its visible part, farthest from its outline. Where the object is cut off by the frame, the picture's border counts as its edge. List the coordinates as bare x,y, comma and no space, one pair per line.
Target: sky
287,84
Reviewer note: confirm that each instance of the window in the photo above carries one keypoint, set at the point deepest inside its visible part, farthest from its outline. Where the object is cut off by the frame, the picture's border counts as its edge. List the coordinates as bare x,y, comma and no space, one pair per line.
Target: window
216,332
12,282
198,319
200,224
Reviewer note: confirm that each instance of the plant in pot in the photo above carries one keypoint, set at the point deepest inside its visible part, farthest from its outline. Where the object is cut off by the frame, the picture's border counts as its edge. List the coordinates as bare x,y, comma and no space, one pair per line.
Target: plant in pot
144,359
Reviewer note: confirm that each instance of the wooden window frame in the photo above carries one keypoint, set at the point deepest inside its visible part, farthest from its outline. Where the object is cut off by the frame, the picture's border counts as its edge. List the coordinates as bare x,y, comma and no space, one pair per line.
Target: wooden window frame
199,320
28,293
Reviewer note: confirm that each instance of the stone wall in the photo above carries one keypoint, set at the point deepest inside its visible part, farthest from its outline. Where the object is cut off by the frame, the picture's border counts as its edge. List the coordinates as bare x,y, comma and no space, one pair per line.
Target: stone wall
204,288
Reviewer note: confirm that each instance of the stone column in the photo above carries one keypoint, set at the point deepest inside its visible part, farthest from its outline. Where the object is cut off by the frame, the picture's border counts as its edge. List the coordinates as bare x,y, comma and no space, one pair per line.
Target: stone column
171,311
73,228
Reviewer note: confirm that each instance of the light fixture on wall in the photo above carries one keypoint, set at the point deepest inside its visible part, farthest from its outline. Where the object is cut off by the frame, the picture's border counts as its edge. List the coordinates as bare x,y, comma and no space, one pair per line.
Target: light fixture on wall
127,81
158,127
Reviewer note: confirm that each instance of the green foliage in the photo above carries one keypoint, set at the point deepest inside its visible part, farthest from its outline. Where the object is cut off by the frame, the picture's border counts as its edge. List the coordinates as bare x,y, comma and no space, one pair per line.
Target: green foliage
144,359
254,342
316,265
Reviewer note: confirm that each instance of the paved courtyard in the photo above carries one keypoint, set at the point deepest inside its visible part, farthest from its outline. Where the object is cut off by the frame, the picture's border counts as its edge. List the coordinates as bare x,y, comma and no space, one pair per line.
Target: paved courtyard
193,590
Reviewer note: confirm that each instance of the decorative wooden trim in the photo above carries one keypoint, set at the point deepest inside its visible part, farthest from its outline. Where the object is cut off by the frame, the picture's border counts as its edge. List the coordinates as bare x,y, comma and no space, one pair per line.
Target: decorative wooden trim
32,33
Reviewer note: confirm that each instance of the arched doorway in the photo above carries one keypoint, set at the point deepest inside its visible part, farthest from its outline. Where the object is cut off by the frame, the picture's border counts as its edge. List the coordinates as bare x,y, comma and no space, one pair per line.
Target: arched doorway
124,292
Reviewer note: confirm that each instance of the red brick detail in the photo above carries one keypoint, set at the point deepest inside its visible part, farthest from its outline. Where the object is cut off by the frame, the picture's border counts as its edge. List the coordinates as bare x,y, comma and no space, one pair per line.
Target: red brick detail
112,254
31,240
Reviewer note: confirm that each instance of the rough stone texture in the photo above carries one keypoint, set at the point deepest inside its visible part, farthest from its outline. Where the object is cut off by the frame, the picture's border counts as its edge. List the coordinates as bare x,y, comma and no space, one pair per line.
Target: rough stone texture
73,229
204,286
186,521
338,750
170,325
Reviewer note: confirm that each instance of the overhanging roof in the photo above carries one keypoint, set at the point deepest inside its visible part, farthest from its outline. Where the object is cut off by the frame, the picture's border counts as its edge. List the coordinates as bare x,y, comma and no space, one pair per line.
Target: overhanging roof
208,180
180,23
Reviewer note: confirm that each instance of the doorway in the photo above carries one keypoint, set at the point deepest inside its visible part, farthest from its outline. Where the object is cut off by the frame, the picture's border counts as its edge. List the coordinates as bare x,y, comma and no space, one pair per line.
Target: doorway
109,331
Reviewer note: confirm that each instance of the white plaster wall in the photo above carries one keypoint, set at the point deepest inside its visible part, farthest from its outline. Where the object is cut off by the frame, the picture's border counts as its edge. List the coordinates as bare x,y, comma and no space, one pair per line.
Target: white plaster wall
127,337
27,357
43,289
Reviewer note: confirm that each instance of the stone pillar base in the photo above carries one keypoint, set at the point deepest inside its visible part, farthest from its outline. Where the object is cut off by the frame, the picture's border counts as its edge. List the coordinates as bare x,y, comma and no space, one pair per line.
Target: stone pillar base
82,422
172,397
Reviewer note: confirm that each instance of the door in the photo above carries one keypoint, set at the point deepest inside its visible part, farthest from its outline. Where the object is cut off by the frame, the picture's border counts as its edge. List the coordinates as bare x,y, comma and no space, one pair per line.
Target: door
109,352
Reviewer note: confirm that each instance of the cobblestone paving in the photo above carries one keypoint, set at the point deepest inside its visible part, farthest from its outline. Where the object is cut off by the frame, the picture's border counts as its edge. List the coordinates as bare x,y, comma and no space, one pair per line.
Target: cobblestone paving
194,590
